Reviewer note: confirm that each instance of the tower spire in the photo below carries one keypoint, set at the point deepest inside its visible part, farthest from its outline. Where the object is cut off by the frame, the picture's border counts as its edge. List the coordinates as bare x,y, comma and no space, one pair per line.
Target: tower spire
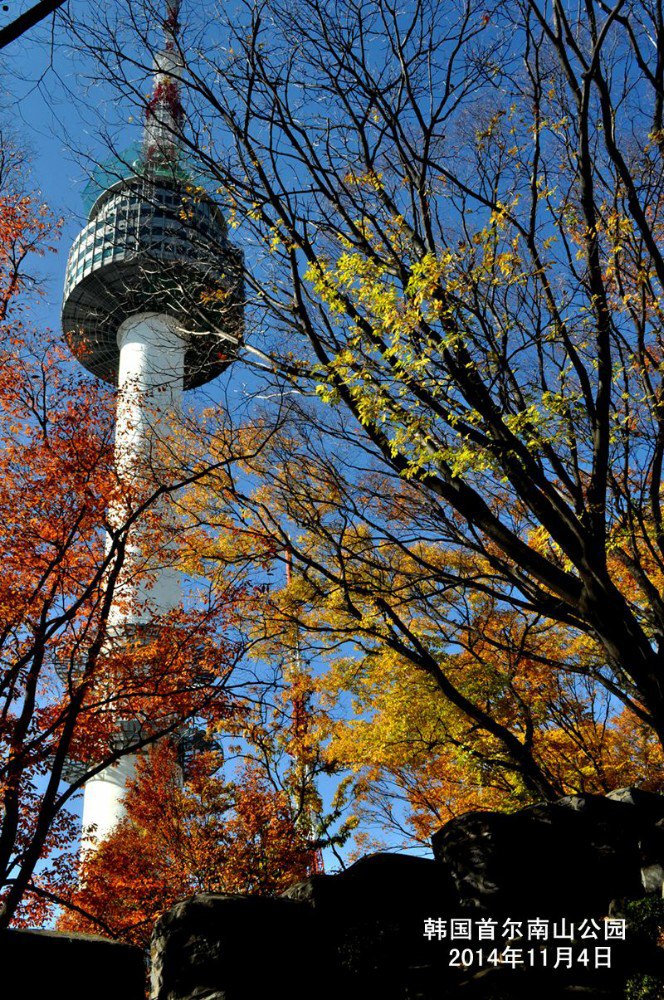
164,115
171,24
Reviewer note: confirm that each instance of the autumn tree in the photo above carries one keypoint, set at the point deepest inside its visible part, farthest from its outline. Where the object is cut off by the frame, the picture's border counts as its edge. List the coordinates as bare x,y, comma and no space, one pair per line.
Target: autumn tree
208,835
416,762
370,583
27,227
235,809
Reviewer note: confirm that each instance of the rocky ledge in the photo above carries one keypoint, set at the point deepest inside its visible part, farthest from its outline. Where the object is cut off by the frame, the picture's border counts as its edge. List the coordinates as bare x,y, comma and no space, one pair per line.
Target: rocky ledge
407,928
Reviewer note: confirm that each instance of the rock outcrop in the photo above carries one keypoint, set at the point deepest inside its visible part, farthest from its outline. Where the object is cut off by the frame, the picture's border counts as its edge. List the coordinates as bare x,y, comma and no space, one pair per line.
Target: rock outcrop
570,857
359,933
355,934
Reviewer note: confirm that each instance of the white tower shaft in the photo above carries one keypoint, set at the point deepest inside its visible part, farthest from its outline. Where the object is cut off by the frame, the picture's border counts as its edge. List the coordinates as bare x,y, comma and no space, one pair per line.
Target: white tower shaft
150,381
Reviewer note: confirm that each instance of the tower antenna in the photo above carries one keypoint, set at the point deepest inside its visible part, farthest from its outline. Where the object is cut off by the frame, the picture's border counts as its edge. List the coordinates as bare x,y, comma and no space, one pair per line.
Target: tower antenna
297,674
164,114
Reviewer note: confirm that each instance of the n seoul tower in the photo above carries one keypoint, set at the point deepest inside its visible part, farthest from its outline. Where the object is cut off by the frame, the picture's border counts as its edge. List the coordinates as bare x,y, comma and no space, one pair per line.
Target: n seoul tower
132,315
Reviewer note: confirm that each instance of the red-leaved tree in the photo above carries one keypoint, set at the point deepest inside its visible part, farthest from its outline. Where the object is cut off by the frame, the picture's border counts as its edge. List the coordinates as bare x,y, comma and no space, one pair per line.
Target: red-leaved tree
209,835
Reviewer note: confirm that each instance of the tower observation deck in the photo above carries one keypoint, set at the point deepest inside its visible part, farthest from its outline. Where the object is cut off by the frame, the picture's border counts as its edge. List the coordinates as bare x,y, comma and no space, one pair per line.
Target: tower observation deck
154,243
153,303
150,248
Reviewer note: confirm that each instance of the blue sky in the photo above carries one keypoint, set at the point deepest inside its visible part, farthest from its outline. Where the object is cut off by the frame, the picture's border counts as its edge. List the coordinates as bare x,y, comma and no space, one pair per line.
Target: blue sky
35,108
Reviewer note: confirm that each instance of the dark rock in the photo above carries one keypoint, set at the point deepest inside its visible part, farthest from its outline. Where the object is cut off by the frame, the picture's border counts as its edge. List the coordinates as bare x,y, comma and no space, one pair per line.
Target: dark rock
651,852
225,947
503,983
381,881
355,934
570,857
649,805
75,966
652,878
372,917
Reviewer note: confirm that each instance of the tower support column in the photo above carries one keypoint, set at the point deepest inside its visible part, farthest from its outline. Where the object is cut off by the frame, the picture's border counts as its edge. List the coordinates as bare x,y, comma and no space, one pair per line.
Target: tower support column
151,383
150,380
103,802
